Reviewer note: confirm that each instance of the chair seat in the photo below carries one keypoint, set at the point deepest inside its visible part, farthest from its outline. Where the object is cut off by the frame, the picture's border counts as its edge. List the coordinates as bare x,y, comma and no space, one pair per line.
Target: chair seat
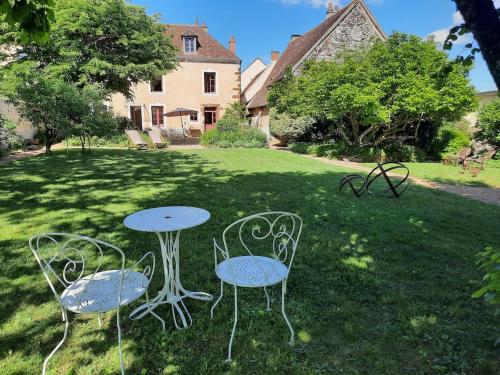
101,293
251,271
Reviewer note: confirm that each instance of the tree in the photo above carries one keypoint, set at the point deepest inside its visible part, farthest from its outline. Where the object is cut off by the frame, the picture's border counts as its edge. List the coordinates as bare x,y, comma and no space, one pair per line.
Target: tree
106,42
483,20
380,94
489,124
30,17
44,103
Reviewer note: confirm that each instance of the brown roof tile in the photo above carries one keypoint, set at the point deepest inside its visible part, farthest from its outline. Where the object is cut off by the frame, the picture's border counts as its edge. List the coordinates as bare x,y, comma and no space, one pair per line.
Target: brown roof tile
294,52
209,49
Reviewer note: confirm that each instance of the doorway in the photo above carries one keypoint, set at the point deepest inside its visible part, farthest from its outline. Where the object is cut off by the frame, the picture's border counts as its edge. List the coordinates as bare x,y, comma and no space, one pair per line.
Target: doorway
210,114
136,116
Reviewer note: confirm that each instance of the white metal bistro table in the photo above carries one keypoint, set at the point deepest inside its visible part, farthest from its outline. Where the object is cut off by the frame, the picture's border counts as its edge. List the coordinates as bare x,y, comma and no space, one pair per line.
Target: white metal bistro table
167,223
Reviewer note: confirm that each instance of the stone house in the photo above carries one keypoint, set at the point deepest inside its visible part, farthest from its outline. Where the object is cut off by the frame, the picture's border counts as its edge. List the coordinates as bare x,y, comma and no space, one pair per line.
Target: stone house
343,29
207,80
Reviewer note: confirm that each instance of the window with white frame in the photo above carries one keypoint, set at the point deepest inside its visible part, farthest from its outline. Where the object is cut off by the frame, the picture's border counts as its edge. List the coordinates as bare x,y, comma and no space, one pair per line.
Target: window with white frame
156,85
193,117
189,44
210,82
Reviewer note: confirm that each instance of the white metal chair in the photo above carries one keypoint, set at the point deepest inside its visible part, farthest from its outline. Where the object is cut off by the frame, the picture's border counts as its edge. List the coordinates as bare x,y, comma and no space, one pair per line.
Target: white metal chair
75,269
275,235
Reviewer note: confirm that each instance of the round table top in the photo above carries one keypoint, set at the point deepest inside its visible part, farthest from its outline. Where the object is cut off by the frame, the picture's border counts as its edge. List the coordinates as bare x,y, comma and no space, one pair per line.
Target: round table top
166,219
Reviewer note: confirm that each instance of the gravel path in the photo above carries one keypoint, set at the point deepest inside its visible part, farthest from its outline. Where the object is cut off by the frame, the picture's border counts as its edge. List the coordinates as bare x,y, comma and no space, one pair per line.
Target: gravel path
487,195
21,155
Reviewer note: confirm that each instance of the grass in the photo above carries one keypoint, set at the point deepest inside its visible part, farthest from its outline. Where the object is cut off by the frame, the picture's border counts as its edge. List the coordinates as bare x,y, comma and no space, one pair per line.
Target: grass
379,285
450,174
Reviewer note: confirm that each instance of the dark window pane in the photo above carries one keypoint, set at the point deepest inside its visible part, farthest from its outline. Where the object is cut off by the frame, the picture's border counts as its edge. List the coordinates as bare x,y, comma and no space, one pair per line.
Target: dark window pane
157,85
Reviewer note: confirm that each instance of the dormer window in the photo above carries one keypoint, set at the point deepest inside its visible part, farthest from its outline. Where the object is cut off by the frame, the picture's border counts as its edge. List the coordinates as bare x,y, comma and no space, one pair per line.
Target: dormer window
190,44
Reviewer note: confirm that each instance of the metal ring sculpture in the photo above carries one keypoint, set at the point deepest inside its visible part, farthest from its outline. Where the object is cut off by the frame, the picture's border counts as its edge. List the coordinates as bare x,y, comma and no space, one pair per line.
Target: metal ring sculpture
397,189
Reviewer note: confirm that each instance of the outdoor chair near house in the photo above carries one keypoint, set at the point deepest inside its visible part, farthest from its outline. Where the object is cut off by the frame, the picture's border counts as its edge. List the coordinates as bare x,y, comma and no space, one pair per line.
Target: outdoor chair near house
135,139
76,269
273,235
459,158
176,134
483,158
156,138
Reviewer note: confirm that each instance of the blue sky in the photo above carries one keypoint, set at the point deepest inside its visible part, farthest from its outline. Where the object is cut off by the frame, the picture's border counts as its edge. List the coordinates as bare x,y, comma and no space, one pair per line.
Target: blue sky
261,26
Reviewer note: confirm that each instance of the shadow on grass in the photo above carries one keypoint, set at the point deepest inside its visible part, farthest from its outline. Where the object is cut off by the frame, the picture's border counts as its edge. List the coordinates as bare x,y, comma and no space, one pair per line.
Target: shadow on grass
364,268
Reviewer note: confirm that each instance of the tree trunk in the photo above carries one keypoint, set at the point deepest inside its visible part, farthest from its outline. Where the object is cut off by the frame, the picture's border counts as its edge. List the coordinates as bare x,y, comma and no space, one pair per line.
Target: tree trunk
82,142
482,19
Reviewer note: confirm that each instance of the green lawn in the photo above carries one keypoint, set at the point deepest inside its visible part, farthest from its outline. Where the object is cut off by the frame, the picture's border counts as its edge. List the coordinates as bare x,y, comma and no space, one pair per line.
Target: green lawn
379,286
449,174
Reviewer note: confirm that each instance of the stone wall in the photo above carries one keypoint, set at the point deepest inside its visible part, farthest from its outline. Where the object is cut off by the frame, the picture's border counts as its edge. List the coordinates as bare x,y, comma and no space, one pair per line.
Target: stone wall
354,31
24,128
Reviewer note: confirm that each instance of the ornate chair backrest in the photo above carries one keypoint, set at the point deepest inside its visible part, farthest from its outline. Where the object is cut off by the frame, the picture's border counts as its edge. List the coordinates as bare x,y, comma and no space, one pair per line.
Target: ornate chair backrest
275,234
68,258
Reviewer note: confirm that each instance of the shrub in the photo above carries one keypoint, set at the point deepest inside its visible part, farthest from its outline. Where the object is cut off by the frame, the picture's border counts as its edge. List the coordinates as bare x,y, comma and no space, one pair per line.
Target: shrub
404,153
287,128
449,140
299,147
243,136
228,124
489,124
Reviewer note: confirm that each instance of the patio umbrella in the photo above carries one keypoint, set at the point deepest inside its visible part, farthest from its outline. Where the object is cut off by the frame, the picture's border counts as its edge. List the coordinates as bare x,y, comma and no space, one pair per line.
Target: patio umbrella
180,112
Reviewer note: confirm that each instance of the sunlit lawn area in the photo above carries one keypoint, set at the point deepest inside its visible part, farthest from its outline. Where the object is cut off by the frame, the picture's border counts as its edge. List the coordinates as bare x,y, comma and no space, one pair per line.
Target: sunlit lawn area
450,174
379,286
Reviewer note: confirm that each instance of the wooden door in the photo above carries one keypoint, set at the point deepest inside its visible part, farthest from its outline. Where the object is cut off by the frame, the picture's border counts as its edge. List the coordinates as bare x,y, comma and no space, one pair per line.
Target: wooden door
136,116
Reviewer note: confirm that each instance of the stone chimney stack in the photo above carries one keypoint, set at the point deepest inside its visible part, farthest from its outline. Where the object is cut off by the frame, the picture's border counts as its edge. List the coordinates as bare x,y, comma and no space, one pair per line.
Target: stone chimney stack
330,11
204,27
232,45
275,56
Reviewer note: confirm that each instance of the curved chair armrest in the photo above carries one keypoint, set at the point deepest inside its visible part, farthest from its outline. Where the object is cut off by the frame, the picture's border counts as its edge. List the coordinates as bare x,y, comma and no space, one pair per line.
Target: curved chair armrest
147,271
223,252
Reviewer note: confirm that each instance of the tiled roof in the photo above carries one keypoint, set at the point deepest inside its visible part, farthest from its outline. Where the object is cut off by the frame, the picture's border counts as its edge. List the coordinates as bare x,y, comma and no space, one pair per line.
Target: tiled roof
294,52
209,49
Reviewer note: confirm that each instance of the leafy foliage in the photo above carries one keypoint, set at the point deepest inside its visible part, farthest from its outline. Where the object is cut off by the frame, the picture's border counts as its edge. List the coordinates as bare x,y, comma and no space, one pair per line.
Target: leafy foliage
8,135
106,42
490,262
30,17
244,136
449,140
380,94
287,128
489,124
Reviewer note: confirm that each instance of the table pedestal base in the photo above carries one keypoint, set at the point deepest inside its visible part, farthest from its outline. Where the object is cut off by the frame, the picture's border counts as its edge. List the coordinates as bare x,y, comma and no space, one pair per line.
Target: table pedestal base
172,292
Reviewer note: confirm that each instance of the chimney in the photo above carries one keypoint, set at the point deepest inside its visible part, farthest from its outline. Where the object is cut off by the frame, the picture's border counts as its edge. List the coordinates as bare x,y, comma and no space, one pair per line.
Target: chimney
204,27
331,9
197,23
295,36
232,45
275,56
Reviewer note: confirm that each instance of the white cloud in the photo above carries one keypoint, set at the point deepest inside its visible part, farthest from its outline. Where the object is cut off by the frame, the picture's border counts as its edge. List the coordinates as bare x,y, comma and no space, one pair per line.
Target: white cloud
457,18
440,35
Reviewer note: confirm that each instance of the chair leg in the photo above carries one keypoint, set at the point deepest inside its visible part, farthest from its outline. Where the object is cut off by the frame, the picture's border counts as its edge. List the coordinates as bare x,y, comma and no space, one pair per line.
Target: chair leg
66,327
229,358
218,300
268,300
122,367
283,292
